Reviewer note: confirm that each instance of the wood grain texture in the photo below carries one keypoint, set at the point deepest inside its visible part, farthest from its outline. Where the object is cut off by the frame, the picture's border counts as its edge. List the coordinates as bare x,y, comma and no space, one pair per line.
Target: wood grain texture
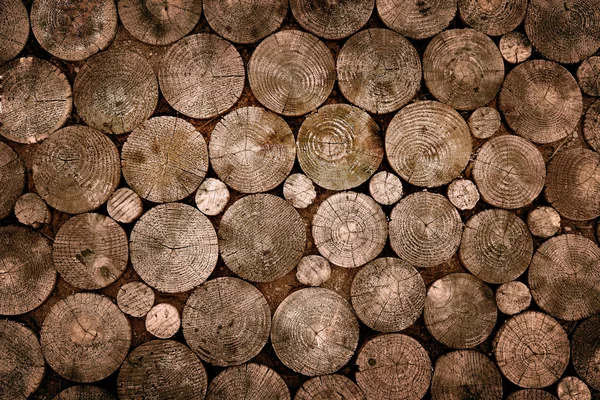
85,337
591,125
84,392
329,387
226,321
484,122
588,76
135,298
531,394
248,382
165,159
313,270
212,197
261,237
252,150
585,350
173,247
31,209
513,297
573,388
339,146
314,331
291,72
349,229
36,100
543,222
14,29
378,70
515,47
12,179
202,76
415,18
332,20
385,188
125,206
163,320
463,194
493,17
299,190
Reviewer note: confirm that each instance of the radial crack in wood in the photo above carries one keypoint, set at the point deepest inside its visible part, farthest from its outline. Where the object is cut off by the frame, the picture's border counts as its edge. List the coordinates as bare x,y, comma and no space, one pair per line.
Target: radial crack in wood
586,351
417,19
515,47
493,17
513,297
14,29
135,298
12,179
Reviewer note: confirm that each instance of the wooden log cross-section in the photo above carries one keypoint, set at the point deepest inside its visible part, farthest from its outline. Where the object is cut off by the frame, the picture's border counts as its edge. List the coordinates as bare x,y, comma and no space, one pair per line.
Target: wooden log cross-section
573,388
513,297
463,194
135,298
515,47
543,222
588,76
31,209
125,206
329,387
84,392
415,18
385,188
163,320
591,125
313,270
531,394
14,29
586,351
212,197
248,381
484,122
299,190
12,179
493,18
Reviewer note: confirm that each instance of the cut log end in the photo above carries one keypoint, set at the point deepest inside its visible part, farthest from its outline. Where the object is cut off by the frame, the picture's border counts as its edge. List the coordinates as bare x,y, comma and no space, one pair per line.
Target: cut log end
573,388
484,122
84,392
299,190
515,47
585,351
336,20
493,18
385,188
125,206
14,29
313,270
415,18
250,381
591,125
543,222
588,75
135,299
163,320
513,297
12,179
463,194
31,209
212,197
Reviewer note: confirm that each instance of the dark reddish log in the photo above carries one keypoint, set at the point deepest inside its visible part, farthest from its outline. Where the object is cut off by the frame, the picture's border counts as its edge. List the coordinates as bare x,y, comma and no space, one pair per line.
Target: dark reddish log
84,393
248,381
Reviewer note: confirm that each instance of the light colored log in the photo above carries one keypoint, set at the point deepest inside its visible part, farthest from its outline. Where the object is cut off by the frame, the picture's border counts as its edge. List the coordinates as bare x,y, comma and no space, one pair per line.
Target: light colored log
163,320
12,179
378,70
329,387
428,143
393,366
463,194
212,197
36,100
388,294
135,299
515,47
85,337
299,190
162,369
588,75
174,247
261,237
76,169
252,150
573,388
513,297
493,17
125,206
27,274
73,30
349,229
460,311
165,159
313,270
31,209
339,146
291,72
425,229
159,22
585,352
509,172
543,221
415,18
484,122
226,321
84,392
14,29
332,20
540,100
248,381
385,188
532,350
314,331
591,125
202,76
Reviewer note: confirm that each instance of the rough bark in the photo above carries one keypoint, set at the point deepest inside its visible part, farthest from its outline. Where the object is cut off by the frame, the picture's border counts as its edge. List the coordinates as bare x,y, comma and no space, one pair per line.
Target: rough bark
484,122
515,47
31,209
135,298
163,320
417,19
463,194
299,190
493,17
212,197
513,297
12,179
586,351
125,206
588,75
543,222
14,29
248,382
385,188
329,387
313,270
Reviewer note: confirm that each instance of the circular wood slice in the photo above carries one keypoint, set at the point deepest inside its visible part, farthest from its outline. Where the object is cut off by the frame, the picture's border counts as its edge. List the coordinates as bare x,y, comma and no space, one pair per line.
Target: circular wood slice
86,392
417,19
159,22
125,206
466,374
36,100
532,350
393,367
339,146
463,194
573,184
202,76
135,299
425,229
591,125
22,368
314,331
513,297
212,197
163,320
291,72
73,30
245,22
540,100
174,247
515,47
564,32
349,229
85,337
252,150
460,311
484,122
162,369
76,169
573,388
115,91
313,270
329,387
90,251
378,70
509,172
299,190
588,75
388,294
14,29
226,321
543,221
463,68
586,351
428,143
261,237
31,209
531,394
564,276
27,275
493,17
385,188
12,179
248,381
496,246
164,159
332,20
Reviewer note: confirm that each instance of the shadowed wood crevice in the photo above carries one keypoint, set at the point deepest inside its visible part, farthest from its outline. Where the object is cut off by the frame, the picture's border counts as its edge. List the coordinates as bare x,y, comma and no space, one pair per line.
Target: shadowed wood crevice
12,179
14,29
417,19
248,381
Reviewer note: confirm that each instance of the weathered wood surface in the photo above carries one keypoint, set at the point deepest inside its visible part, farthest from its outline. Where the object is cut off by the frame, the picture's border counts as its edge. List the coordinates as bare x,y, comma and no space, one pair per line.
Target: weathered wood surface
14,29
329,387
212,197
299,190
415,18
125,206
248,381
588,76
573,388
513,297
163,320
585,350
31,209
332,20
543,222
463,194
495,17
12,179
135,298
81,392
313,270
484,122
515,47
